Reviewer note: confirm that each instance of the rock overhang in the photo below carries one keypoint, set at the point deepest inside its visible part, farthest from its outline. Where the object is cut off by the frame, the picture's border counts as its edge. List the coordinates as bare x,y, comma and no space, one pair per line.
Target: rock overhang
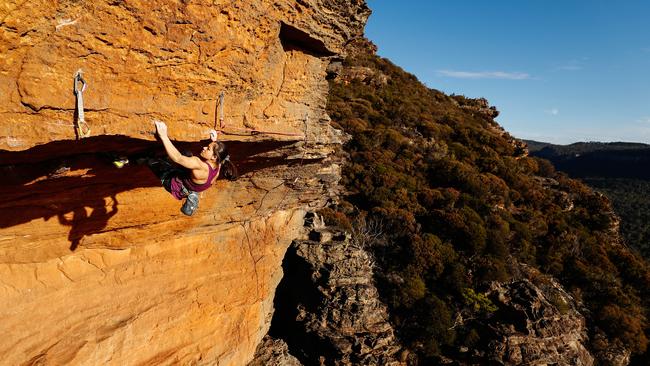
97,262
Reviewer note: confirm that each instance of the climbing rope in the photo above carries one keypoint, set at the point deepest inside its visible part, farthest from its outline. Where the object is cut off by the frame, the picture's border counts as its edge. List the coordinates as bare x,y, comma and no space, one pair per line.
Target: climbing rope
82,128
218,113
302,159
253,132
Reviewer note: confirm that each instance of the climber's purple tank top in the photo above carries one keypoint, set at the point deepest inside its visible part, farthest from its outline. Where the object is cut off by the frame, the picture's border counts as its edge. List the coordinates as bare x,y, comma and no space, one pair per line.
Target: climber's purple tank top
177,183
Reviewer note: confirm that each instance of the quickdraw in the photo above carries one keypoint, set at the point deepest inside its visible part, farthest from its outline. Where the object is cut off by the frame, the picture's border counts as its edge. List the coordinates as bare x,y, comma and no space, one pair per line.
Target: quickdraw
222,97
81,127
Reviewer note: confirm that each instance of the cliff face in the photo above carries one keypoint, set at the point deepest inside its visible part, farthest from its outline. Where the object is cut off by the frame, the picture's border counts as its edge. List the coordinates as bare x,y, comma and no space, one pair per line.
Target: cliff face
327,307
146,59
97,263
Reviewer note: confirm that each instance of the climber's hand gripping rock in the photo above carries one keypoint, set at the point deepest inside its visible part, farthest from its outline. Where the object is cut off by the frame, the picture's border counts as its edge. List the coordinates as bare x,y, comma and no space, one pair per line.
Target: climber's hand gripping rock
161,128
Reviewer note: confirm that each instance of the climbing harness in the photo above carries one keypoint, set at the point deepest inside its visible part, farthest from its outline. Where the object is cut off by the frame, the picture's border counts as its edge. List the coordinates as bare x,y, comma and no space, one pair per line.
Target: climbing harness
82,128
218,113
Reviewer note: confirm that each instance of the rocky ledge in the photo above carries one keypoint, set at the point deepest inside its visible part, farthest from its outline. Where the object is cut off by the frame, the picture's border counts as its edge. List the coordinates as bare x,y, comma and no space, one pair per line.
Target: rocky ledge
327,307
536,324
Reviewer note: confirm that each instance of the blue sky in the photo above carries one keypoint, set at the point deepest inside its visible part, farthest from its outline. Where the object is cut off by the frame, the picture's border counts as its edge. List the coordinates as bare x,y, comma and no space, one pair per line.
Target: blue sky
559,71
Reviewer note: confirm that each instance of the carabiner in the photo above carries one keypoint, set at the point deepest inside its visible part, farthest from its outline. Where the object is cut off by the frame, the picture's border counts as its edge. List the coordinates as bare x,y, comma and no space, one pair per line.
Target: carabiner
79,78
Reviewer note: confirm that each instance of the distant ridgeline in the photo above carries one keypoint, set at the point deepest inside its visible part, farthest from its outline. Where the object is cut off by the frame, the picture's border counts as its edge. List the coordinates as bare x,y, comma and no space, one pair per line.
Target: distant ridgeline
618,169
597,159
450,206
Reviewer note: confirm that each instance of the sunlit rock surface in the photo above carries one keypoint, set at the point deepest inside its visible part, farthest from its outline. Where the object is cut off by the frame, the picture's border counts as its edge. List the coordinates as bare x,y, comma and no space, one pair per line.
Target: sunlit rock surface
97,264
169,60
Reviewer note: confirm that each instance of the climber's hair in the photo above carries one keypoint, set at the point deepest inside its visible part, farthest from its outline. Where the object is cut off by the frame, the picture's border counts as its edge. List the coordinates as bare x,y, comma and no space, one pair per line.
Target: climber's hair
228,169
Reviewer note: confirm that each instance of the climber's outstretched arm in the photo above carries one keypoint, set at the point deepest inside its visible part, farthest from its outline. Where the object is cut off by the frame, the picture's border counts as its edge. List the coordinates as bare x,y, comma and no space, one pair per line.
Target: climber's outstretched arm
173,153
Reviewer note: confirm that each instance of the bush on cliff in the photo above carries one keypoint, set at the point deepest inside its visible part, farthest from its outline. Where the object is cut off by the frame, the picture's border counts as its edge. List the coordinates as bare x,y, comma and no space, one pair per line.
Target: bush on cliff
459,204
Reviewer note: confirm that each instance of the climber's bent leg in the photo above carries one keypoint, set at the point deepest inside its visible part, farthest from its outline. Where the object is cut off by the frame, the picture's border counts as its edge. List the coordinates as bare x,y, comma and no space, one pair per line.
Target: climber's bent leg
168,173
164,170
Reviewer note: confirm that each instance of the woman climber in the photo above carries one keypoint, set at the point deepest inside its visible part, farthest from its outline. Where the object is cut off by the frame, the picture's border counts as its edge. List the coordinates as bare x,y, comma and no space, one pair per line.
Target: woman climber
198,173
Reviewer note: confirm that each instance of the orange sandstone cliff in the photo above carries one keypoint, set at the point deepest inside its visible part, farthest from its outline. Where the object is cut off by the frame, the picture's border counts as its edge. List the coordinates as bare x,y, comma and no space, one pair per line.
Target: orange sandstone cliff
97,264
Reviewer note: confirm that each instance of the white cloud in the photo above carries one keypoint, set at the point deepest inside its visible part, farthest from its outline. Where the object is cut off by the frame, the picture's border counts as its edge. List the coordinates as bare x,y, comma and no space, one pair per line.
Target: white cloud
553,111
484,75
643,120
571,65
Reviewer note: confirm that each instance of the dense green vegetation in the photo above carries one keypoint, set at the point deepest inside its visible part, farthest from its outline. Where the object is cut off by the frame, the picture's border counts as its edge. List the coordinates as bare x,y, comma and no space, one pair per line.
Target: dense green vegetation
631,200
459,206
620,171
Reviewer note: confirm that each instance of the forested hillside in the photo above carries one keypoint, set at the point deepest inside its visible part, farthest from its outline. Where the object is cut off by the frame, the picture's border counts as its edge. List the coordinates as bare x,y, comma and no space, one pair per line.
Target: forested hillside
619,170
449,203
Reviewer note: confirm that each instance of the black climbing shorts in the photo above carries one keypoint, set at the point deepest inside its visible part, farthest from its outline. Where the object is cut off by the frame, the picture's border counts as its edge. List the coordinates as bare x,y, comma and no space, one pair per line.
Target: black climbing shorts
165,171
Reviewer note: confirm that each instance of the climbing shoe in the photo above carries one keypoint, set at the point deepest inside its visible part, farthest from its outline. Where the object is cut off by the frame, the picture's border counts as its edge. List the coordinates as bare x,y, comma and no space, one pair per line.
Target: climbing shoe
120,162
191,204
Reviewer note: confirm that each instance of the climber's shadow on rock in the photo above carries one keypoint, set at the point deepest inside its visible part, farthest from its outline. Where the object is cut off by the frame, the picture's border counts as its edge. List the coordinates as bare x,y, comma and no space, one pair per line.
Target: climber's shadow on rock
77,182
78,191
83,223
